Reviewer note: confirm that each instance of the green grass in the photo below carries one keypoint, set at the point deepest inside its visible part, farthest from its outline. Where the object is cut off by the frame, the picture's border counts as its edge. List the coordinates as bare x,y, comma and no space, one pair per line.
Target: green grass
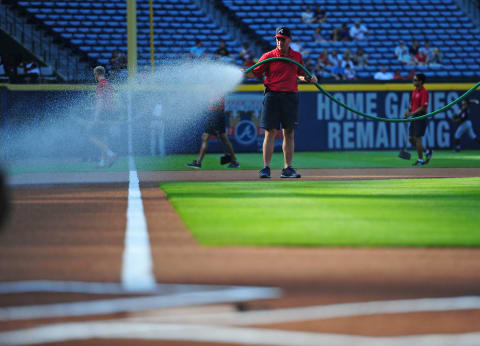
404,212
254,161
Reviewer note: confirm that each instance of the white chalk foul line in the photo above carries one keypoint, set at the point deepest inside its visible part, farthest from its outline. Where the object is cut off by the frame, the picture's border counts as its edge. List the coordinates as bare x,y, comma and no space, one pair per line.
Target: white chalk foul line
120,305
207,333
137,268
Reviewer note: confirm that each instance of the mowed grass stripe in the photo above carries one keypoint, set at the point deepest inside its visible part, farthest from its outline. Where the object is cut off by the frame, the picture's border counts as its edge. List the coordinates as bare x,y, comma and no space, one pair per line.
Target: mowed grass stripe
403,212
254,161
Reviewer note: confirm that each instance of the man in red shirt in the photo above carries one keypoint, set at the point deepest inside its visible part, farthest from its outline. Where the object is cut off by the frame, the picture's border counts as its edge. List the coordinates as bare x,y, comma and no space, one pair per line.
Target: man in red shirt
104,112
419,105
280,105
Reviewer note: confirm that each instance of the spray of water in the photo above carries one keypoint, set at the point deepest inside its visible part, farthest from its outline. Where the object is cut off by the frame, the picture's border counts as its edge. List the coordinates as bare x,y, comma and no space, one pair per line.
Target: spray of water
176,96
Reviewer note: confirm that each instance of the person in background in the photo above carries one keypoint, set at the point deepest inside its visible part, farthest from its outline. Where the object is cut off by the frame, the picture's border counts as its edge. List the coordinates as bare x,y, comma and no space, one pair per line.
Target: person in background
222,50
383,74
414,48
421,58
397,75
216,127
307,16
280,104
427,50
317,35
104,113
358,31
338,71
464,125
319,15
344,33
32,71
246,55
360,58
418,107
436,59
197,51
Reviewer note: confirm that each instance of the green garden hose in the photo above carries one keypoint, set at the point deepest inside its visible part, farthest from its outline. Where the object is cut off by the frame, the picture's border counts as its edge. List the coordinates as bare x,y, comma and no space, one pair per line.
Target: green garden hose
431,114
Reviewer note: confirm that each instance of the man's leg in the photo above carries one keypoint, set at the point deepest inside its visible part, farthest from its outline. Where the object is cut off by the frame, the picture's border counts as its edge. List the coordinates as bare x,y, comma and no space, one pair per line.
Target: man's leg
420,148
228,145
203,147
288,146
268,146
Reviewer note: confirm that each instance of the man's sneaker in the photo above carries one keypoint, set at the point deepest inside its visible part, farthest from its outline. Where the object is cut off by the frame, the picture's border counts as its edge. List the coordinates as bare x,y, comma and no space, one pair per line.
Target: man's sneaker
290,172
233,164
264,173
419,163
428,154
194,164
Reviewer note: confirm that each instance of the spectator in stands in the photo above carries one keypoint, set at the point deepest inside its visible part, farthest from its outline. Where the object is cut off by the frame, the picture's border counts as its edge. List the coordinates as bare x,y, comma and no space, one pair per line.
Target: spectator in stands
246,55
118,66
336,35
319,15
307,16
344,33
403,54
400,50
427,50
383,74
298,46
32,71
347,62
347,54
436,58
118,60
413,49
322,62
317,35
3,70
222,52
310,65
397,75
197,51
420,58
334,58
360,58
338,71
358,31
350,72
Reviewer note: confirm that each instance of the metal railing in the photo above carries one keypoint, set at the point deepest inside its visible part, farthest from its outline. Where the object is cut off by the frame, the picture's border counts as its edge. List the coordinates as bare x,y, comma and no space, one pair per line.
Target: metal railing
41,45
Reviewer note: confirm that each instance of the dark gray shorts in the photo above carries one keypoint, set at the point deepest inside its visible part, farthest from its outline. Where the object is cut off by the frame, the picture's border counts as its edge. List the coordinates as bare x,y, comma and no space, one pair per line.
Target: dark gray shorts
280,110
417,128
215,123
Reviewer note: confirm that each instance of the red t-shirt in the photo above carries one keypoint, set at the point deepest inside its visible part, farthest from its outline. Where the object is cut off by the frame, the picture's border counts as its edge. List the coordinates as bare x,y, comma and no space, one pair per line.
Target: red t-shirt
104,95
419,98
280,75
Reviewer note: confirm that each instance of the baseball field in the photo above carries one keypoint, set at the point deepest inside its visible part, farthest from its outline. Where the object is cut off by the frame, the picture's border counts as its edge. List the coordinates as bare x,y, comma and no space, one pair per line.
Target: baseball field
364,249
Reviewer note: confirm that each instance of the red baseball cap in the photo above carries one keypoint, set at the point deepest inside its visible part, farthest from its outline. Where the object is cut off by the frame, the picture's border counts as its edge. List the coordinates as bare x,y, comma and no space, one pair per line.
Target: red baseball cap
283,32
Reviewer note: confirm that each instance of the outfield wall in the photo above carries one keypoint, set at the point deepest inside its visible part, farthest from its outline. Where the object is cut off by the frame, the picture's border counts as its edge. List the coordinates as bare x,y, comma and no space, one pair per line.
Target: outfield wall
323,124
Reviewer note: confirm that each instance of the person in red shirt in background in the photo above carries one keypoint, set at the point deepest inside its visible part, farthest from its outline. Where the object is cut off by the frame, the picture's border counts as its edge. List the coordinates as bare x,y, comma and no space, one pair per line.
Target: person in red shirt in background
280,104
418,107
104,112
216,127
420,58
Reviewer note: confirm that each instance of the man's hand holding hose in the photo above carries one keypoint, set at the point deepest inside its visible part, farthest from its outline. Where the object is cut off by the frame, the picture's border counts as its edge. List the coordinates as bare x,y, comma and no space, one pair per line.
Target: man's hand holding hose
308,79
